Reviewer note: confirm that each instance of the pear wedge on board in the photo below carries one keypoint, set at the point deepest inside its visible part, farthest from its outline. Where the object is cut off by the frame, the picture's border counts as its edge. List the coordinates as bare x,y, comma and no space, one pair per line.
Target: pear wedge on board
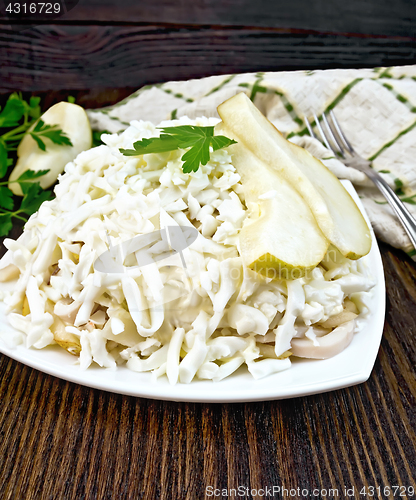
71,119
280,238
335,211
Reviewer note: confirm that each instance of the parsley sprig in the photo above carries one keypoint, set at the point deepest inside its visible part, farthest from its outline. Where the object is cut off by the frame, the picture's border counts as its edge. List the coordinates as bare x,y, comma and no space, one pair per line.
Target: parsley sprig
33,197
52,132
197,139
16,119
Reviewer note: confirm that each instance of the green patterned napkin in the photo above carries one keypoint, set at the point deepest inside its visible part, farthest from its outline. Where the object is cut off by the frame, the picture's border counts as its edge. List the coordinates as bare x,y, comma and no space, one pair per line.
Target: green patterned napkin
376,108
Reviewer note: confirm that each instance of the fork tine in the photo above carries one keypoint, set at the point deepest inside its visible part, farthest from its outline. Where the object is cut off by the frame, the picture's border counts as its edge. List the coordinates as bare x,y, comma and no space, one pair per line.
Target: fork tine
308,126
332,135
322,133
340,133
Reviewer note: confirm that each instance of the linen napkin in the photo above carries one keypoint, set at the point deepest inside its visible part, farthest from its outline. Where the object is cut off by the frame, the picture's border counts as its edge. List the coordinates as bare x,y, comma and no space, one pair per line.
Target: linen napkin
375,107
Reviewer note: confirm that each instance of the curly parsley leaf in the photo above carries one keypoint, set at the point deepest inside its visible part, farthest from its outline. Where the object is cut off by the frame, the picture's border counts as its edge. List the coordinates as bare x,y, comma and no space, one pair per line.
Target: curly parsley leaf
29,175
33,198
186,135
161,144
96,137
27,178
197,155
6,198
40,143
220,141
12,112
52,132
198,139
3,159
5,224
17,118
32,108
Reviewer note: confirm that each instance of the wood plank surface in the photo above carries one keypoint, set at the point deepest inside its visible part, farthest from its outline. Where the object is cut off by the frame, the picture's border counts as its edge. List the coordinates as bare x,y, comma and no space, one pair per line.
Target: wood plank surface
356,16
383,17
63,441
81,57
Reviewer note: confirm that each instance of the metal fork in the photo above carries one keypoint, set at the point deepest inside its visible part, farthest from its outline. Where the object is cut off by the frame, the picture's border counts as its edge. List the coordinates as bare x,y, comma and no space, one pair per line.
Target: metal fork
341,147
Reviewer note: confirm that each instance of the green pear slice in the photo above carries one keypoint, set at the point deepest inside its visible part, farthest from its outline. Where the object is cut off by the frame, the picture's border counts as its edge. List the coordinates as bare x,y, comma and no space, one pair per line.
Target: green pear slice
280,238
71,119
335,211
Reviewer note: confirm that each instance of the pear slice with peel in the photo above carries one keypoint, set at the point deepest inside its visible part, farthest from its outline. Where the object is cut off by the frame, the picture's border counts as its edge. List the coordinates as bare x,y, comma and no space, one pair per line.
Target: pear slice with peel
335,211
73,121
280,238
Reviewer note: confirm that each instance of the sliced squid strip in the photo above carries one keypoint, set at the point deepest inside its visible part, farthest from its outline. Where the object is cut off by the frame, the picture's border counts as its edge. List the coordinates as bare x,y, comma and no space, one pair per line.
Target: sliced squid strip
137,306
329,345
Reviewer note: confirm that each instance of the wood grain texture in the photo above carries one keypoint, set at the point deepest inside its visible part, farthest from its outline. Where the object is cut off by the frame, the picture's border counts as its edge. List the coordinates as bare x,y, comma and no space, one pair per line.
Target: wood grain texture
80,57
383,17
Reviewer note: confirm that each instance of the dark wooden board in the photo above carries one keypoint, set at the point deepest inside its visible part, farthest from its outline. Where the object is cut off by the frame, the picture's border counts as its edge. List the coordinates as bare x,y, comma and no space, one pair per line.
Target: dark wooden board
80,57
356,16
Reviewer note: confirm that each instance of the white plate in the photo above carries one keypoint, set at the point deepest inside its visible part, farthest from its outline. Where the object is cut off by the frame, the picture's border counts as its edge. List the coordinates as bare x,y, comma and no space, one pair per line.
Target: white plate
350,367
